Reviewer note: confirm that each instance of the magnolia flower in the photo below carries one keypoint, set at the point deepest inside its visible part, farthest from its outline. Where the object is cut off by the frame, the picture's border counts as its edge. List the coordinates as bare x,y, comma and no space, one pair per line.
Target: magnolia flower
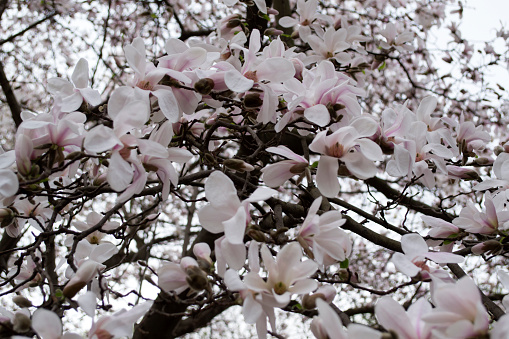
459,311
287,275
328,325
87,271
488,222
349,145
48,325
73,95
175,277
415,250
322,234
275,175
226,213
405,324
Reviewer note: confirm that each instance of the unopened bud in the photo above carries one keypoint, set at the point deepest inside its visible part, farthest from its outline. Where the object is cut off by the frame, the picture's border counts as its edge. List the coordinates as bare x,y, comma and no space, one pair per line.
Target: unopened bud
204,86
489,247
272,31
6,217
498,150
238,165
21,323
21,301
253,100
233,23
257,235
483,161
309,301
197,278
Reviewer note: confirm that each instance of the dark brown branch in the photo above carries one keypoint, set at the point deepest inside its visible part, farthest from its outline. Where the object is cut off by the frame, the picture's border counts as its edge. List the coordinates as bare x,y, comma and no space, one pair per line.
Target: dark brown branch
10,97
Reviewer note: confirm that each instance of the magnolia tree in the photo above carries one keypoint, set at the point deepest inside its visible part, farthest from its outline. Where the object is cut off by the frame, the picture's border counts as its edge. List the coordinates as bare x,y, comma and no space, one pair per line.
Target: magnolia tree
316,159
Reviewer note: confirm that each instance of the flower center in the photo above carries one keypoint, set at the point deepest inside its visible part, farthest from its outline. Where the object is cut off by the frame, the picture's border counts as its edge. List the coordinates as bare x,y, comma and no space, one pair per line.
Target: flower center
280,288
144,84
337,150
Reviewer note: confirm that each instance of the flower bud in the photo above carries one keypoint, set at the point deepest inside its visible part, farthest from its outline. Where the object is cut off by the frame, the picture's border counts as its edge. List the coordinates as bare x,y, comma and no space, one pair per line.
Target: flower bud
21,323
483,161
252,100
238,165
272,31
21,301
6,217
234,23
257,235
197,278
490,247
204,86
498,150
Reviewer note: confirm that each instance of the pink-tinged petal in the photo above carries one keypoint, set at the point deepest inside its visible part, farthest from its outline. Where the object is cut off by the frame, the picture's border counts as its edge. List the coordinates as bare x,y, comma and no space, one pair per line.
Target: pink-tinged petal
275,70
91,96
276,175
123,96
413,245
392,316
287,153
332,322
404,265
253,256
80,75
135,59
220,191
318,114
444,257
88,303
152,148
365,126
319,143
254,282
358,331
232,281
426,107
261,194
287,21
175,46
60,86
300,270
101,139
235,254
138,183
71,102
303,286
327,176
191,58
47,324
234,228
103,252
211,218
168,104
179,155
120,325
8,183
262,6
252,310
120,173
171,277
268,260
370,150
237,82
187,100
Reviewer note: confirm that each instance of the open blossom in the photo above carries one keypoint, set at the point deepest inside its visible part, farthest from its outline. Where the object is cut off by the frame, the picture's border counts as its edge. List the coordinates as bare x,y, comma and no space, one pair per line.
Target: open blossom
174,277
405,324
459,311
491,220
226,213
416,251
73,95
287,275
322,234
275,175
350,146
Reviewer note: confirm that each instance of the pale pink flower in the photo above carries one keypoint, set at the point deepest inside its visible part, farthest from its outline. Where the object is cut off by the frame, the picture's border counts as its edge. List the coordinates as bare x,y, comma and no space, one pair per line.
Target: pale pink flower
416,251
350,146
459,311
173,277
275,175
322,234
226,213
73,95
406,324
